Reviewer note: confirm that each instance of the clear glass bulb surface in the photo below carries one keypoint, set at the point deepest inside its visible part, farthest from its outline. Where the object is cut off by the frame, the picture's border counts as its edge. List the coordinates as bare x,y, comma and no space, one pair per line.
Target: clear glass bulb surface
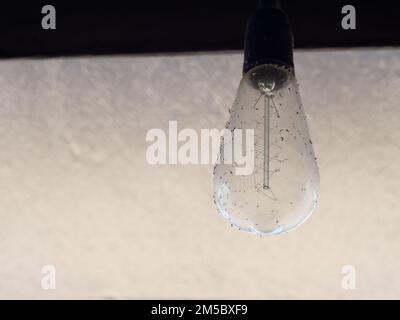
281,192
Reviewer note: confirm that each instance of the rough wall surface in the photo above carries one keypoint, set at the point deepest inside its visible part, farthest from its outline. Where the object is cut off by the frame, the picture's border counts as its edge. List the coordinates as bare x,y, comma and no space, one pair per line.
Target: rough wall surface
76,191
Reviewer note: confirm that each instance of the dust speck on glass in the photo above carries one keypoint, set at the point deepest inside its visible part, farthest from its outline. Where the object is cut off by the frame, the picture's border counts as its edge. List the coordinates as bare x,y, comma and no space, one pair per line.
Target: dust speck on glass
281,193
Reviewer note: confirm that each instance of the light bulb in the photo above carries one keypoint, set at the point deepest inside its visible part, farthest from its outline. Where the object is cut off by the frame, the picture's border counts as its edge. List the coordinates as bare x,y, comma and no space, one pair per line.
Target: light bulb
281,192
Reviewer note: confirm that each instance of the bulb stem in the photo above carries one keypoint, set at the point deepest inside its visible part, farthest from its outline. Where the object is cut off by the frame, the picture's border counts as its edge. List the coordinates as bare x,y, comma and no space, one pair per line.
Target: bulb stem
266,141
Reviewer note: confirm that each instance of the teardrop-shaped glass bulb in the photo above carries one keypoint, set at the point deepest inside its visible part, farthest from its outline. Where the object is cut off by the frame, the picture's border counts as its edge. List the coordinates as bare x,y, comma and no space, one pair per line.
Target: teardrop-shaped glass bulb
280,193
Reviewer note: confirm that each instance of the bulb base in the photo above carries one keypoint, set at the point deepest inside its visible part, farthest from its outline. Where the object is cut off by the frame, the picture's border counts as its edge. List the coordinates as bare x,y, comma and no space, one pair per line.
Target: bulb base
268,39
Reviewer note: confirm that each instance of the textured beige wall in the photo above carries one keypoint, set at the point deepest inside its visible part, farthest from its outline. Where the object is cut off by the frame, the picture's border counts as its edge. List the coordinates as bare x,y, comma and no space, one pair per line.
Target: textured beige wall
76,191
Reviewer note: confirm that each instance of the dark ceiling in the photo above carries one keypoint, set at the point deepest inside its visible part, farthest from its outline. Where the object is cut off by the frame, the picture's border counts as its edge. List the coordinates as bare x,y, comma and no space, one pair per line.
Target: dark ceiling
151,27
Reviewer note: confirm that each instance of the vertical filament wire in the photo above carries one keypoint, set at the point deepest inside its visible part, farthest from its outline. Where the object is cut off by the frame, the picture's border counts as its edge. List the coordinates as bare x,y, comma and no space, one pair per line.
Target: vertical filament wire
266,142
